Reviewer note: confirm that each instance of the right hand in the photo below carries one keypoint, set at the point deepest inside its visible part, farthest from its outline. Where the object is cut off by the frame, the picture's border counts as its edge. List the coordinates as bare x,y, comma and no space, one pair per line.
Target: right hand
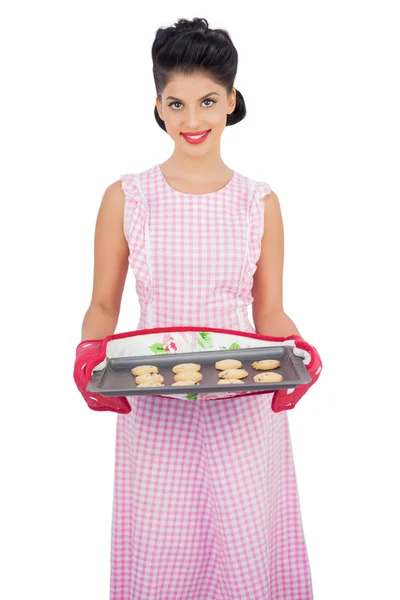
90,353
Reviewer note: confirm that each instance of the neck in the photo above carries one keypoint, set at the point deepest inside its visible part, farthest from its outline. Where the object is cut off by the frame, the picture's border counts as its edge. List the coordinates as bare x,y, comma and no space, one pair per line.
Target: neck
185,166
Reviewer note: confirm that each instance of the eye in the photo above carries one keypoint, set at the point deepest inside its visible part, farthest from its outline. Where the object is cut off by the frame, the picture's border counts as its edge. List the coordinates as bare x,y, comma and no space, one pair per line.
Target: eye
205,100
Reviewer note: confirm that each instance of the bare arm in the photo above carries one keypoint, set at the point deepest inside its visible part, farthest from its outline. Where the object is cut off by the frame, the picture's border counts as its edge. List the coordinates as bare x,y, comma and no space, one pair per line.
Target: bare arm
111,254
268,314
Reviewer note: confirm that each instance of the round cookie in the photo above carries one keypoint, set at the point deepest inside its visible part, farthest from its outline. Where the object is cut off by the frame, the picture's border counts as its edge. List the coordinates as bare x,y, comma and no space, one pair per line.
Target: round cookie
268,377
228,363
151,384
266,364
186,367
232,380
148,377
233,374
186,382
144,369
188,376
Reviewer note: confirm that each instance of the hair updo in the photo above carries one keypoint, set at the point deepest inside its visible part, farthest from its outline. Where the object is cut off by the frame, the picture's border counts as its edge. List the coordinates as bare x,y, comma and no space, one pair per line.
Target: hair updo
191,47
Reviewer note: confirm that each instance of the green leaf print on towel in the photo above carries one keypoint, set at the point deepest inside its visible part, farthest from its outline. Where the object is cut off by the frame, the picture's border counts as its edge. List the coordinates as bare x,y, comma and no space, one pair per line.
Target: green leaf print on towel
158,348
191,396
233,346
205,340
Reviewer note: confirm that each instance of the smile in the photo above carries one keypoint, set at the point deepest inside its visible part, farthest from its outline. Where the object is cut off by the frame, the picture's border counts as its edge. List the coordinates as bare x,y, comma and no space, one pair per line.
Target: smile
196,138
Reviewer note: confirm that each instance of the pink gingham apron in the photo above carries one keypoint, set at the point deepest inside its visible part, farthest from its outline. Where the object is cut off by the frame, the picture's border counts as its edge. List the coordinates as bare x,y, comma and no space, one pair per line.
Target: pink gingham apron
206,502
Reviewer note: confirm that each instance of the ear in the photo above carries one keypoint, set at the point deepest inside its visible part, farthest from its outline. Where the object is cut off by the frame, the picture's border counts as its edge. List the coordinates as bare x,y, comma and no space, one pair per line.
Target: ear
159,108
232,102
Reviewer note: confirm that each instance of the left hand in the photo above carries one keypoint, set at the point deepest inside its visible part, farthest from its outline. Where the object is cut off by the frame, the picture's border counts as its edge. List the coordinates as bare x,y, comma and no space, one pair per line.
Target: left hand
287,398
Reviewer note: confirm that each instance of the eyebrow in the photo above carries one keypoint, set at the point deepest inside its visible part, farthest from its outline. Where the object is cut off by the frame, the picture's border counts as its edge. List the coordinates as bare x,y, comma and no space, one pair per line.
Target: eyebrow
202,98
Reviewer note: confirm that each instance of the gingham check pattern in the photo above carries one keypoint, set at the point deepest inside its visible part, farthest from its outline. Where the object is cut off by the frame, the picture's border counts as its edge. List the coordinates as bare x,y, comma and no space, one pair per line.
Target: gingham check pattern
206,503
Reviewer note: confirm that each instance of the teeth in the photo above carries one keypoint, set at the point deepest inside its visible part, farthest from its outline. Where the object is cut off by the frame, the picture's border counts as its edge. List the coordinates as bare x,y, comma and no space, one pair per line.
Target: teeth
195,137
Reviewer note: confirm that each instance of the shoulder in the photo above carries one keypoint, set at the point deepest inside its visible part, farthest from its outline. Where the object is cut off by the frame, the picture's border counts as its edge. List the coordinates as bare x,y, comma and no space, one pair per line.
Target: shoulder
140,176
115,189
114,194
268,203
272,207
112,204
262,191
272,198
273,222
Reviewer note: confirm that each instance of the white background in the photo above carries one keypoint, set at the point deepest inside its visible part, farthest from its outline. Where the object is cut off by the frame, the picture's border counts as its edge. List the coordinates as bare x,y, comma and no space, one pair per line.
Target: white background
320,81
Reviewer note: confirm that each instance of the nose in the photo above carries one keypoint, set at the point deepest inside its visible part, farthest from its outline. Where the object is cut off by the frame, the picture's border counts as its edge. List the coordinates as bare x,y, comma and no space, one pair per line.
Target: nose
193,120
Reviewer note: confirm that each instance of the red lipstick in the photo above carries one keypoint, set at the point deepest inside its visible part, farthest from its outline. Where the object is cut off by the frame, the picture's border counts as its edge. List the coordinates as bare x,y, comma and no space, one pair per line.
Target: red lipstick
196,140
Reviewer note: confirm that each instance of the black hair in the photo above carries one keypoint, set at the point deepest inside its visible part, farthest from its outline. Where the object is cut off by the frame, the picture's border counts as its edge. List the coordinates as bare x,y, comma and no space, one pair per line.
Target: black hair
191,47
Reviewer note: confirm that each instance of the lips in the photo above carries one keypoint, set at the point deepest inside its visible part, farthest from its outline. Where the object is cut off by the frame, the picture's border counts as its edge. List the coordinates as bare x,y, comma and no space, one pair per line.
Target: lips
198,140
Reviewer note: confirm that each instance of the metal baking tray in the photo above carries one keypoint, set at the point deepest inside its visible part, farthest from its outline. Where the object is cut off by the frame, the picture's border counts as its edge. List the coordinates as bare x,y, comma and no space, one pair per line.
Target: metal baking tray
116,378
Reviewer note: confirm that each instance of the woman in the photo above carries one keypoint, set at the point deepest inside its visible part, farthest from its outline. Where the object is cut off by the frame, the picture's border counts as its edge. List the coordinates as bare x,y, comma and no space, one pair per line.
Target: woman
205,494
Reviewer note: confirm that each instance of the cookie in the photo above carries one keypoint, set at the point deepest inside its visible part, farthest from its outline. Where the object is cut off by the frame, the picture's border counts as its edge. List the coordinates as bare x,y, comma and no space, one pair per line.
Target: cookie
148,377
151,384
232,380
233,374
266,364
228,363
143,369
188,375
267,377
186,367
186,382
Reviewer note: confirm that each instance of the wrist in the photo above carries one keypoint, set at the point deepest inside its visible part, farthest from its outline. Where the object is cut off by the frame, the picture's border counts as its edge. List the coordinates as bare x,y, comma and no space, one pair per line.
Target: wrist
275,324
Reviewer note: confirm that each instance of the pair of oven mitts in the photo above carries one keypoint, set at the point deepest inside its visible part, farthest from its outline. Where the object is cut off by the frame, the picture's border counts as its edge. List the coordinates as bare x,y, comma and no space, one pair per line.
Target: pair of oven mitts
90,353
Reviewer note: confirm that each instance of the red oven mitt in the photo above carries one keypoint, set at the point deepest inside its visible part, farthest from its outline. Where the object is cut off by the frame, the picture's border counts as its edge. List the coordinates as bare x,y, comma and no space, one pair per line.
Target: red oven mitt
90,353
287,399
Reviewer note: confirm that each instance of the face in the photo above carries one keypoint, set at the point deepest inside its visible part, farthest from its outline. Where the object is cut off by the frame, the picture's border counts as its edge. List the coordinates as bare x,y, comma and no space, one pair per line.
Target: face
195,104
